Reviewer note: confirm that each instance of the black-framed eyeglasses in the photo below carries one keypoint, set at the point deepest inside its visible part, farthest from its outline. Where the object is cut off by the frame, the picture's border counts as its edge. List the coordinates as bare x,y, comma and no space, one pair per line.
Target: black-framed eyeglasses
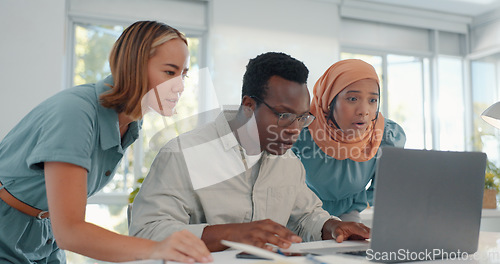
286,119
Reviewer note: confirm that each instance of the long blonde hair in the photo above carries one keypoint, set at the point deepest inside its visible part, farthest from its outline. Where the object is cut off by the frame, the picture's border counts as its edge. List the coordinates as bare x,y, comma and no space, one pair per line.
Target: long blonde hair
128,61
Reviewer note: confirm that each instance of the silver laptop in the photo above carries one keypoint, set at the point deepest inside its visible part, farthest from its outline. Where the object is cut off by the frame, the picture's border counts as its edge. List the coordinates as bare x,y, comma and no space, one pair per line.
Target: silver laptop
427,205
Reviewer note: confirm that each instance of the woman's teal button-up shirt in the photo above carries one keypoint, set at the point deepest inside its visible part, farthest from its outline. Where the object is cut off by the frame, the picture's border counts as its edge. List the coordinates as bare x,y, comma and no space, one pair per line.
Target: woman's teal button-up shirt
341,184
72,127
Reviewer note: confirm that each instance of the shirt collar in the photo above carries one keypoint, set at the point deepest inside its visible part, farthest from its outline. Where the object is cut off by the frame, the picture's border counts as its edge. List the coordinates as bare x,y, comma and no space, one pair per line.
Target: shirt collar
224,131
109,130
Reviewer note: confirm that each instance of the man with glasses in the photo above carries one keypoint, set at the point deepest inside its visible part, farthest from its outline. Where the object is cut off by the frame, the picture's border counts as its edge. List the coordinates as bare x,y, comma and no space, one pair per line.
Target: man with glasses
236,178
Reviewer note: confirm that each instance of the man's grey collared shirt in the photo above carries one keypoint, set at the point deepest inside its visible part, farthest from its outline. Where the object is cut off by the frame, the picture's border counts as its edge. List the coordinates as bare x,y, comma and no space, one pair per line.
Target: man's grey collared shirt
203,178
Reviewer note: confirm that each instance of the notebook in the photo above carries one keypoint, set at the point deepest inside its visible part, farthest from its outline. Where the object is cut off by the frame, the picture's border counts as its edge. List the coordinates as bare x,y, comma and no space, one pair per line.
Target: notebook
427,206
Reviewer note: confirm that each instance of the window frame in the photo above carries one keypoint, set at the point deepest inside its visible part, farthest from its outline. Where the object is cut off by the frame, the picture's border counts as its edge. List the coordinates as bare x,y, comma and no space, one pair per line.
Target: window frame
430,117
474,57
383,54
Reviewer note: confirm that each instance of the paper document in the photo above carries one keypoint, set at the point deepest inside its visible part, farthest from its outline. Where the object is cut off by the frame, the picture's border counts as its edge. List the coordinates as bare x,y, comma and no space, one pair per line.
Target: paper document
301,247
253,250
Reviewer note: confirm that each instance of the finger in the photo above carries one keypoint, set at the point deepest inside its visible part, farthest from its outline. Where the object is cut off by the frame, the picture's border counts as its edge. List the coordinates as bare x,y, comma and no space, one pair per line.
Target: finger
192,246
295,239
198,245
188,244
255,236
174,255
340,238
276,240
266,240
281,231
192,252
258,243
361,230
272,238
354,231
268,247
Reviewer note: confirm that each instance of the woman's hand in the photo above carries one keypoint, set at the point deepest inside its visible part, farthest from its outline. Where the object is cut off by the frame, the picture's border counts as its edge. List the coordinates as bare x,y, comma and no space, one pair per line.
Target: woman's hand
67,196
182,246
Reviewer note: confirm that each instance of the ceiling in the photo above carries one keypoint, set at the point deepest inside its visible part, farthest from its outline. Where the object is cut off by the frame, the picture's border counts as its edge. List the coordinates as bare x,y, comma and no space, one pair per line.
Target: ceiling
460,7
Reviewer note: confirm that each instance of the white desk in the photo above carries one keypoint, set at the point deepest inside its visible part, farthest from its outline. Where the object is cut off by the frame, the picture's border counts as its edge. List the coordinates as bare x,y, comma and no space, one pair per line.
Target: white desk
489,252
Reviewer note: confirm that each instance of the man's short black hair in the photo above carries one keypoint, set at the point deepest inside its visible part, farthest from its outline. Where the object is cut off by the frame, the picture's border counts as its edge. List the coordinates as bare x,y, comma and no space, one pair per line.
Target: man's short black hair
266,65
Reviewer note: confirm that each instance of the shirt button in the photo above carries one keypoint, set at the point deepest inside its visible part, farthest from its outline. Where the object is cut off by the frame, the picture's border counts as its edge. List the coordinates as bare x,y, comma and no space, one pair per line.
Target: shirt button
107,173
49,241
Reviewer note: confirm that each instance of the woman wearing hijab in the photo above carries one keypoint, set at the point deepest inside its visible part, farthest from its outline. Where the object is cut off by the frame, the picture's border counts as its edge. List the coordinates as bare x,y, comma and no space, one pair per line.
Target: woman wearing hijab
339,148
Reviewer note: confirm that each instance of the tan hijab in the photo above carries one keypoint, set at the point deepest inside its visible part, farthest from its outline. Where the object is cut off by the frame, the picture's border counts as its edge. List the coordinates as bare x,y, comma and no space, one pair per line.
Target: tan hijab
325,133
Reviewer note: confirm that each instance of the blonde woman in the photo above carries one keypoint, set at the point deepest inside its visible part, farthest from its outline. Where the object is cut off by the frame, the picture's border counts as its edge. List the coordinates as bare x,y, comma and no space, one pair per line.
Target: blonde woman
68,148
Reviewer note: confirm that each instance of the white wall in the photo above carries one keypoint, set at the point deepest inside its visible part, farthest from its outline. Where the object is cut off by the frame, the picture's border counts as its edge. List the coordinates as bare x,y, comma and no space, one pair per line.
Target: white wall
240,30
485,34
31,56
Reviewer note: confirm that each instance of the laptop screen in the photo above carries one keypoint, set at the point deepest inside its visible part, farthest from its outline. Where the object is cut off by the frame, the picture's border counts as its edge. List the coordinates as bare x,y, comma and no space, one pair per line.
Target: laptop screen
427,201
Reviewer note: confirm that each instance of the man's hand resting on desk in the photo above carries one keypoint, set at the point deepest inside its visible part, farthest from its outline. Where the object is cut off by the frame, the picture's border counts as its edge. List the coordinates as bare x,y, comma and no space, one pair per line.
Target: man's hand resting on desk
256,233
340,231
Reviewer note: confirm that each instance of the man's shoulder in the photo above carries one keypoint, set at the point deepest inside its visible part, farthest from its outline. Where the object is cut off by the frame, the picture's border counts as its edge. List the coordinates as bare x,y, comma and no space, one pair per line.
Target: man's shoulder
288,159
197,136
394,134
